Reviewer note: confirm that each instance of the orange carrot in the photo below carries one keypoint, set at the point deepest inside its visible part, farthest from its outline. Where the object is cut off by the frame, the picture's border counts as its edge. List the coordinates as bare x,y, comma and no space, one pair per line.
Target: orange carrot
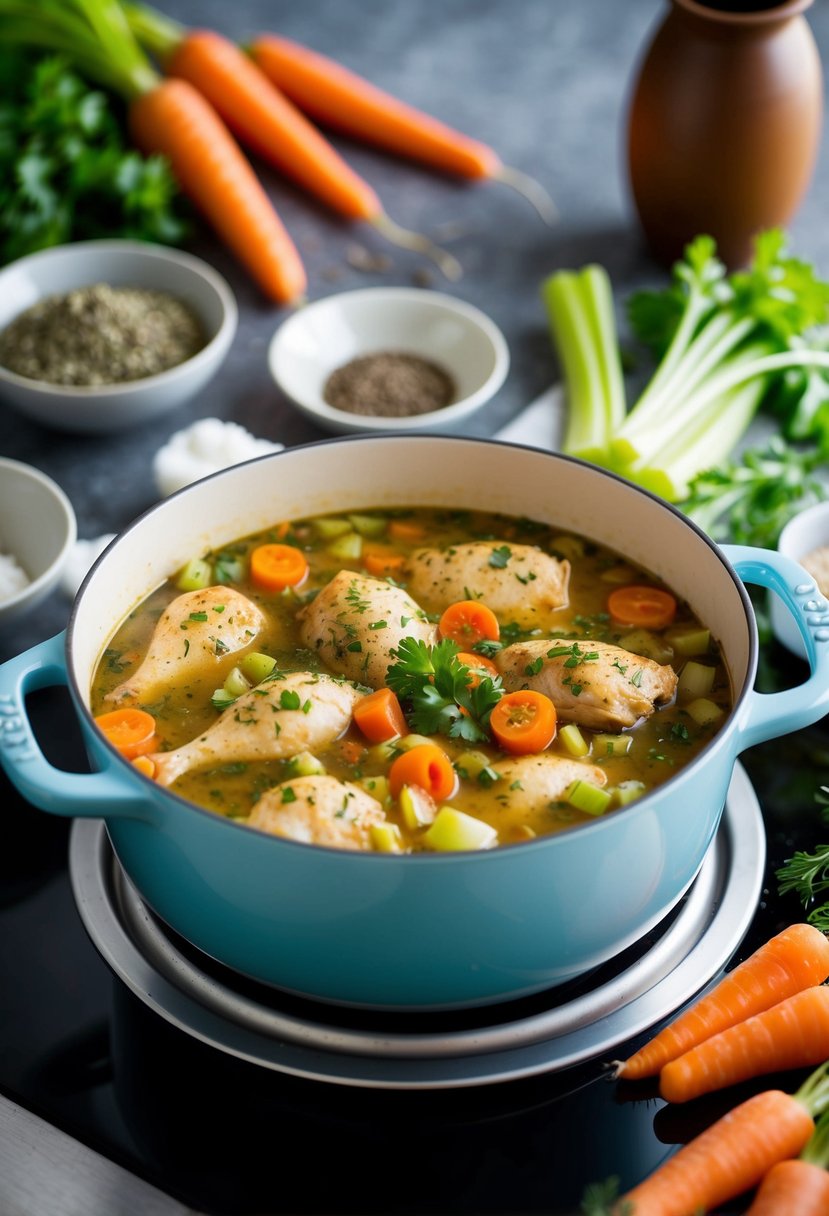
793,1034
380,717
647,607
266,120
468,622
382,562
175,120
729,1157
795,959
523,722
132,731
405,529
276,567
339,98
799,1187
427,766
479,667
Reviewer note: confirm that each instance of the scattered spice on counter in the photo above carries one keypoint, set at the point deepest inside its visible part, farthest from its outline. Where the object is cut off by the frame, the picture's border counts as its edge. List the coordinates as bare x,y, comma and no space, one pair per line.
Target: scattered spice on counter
389,384
817,564
100,335
13,577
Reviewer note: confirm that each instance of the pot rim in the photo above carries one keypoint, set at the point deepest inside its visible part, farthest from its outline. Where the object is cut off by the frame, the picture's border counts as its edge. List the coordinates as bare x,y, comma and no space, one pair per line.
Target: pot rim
641,806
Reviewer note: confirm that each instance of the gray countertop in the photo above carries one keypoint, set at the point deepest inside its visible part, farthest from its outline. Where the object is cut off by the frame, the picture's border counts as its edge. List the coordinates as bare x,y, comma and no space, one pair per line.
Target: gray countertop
544,82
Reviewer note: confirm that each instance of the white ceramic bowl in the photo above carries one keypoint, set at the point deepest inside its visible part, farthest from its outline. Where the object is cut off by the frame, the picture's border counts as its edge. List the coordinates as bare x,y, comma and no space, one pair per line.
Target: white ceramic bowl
323,336
115,407
37,528
808,530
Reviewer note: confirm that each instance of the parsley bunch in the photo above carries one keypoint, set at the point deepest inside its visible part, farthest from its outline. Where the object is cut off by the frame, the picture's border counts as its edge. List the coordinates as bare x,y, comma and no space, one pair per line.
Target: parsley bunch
66,170
434,686
807,874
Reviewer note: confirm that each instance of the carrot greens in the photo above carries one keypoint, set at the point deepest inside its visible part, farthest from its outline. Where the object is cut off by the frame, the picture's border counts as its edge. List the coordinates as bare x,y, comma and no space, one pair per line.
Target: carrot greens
807,874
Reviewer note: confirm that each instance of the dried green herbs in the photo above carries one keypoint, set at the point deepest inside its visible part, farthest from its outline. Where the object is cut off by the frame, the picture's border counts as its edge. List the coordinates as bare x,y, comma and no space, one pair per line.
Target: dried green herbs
100,335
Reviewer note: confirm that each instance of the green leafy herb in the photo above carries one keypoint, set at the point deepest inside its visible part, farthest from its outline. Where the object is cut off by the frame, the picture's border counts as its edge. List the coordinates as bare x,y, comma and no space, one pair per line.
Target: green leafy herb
434,687
289,699
67,172
807,874
500,556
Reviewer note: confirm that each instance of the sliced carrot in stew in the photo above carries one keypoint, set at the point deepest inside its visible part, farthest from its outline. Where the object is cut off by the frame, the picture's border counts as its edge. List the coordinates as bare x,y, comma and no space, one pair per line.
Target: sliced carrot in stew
380,717
479,667
381,562
132,731
523,722
406,529
468,622
649,607
276,567
426,766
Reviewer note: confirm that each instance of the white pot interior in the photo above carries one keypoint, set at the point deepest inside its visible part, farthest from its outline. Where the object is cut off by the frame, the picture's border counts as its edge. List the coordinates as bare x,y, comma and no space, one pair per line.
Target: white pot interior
412,470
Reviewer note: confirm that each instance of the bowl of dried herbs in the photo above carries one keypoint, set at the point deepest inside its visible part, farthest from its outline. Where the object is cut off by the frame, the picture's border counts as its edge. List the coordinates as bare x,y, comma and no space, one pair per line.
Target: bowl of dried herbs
99,336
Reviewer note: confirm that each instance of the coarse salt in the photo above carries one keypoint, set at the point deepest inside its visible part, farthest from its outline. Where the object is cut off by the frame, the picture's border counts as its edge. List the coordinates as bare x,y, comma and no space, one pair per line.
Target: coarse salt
13,578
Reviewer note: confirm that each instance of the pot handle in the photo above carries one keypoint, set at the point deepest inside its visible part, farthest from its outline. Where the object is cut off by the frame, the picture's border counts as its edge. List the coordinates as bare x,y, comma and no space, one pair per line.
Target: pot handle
93,795
770,714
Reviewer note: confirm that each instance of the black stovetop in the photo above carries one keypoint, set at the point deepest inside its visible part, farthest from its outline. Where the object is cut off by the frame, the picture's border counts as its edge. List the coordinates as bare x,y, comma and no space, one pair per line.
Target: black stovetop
226,1137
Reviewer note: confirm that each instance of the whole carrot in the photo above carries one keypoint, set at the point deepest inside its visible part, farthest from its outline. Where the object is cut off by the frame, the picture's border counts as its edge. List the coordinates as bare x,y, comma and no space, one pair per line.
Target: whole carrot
795,959
170,117
339,98
799,1187
268,123
174,119
793,1034
732,1155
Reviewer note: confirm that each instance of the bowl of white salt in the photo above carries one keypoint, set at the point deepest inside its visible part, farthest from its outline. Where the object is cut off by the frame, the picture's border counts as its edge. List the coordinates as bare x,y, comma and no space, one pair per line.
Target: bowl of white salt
37,532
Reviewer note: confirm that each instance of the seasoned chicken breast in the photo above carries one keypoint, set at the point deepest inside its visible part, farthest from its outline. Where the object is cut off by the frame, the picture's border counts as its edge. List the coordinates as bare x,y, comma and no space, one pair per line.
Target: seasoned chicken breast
530,783
356,621
194,634
518,582
290,713
591,683
318,810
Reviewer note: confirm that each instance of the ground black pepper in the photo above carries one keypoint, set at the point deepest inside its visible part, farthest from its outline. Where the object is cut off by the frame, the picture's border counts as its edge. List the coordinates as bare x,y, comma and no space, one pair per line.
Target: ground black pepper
100,335
389,384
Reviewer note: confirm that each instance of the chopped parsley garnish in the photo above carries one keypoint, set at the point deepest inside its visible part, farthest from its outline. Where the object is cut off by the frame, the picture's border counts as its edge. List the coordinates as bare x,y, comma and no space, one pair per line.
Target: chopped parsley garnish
500,556
197,616
532,669
289,699
288,794
434,686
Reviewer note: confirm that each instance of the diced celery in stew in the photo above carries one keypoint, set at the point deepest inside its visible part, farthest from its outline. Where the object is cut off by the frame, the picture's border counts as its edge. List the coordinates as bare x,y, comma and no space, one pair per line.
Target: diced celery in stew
470,632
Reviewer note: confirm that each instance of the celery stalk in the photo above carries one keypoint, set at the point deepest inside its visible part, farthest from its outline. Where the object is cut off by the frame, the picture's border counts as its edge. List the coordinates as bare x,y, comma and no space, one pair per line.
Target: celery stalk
580,309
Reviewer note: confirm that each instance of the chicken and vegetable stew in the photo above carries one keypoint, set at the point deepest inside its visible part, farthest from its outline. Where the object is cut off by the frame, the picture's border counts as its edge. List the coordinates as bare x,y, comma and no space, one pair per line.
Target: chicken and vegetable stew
411,680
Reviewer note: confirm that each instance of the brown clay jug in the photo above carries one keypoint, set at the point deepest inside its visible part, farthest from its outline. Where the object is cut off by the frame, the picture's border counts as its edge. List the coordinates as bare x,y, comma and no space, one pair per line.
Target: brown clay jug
724,123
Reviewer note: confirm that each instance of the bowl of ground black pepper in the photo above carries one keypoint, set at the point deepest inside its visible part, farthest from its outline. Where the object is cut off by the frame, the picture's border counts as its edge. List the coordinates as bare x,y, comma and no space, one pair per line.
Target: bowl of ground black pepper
389,359
99,336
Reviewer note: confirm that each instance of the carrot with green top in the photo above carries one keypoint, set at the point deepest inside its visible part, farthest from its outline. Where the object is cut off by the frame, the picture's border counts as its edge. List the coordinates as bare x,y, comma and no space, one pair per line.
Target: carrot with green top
171,118
344,101
795,959
733,1155
793,1034
799,1186
266,121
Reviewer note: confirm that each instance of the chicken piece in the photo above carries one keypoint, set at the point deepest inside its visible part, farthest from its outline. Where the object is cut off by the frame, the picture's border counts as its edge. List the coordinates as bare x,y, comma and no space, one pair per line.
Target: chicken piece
356,621
290,713
194,634
591,683
318,810
528,784
518,582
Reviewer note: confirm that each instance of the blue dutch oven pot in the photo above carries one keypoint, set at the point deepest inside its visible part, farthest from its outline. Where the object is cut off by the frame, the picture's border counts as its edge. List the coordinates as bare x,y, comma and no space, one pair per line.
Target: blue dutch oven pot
422,930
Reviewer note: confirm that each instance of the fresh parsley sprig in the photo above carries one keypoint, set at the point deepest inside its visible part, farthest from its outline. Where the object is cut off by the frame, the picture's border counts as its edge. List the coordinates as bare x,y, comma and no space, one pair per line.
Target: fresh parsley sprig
807,874
433,685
